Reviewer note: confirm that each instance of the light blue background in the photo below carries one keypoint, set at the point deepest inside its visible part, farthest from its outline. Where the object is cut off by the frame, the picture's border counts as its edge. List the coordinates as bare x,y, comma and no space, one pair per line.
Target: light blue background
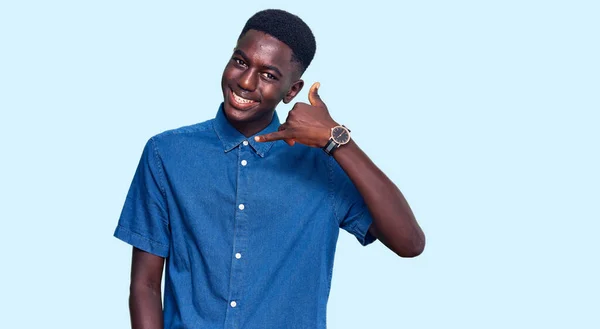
485,114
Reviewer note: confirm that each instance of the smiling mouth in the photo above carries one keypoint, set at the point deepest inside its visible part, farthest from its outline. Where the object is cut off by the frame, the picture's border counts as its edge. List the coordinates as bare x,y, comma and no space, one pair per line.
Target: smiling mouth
242,102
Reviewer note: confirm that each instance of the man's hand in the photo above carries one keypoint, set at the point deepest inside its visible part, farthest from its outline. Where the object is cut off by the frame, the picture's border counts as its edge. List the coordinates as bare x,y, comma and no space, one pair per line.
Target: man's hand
306,124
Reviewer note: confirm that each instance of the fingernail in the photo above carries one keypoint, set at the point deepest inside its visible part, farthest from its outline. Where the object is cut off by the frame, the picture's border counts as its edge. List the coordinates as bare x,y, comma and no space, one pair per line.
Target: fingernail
257,138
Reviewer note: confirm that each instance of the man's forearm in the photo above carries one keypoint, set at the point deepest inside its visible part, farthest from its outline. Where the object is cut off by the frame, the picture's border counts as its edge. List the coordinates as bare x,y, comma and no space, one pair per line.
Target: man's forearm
395,224
145,307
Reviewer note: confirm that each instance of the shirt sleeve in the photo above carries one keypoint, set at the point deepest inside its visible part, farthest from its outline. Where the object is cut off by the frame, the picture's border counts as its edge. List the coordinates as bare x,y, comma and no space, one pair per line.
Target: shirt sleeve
144,219
349,206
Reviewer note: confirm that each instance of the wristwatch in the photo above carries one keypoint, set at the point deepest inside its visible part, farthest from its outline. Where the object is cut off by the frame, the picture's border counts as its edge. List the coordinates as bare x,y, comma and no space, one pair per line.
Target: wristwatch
340,135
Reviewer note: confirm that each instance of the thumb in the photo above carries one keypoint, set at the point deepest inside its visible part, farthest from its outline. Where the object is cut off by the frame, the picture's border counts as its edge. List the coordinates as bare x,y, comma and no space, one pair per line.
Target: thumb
313,96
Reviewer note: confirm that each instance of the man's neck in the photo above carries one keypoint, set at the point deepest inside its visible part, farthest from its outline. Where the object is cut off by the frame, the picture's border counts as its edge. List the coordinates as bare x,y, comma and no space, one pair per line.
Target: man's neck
253,127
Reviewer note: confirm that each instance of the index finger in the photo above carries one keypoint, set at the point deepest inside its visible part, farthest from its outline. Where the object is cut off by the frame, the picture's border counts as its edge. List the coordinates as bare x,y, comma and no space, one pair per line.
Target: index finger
274,136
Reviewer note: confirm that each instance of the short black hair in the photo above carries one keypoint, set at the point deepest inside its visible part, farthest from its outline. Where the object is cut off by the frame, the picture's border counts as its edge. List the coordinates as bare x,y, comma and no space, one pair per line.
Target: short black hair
287,28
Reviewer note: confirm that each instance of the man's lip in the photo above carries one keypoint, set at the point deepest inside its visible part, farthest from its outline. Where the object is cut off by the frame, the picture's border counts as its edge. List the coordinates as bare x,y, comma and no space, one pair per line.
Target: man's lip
242,95
241,105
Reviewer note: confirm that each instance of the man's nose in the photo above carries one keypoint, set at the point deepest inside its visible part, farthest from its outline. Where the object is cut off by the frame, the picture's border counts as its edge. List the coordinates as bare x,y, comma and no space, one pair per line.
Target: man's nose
248,80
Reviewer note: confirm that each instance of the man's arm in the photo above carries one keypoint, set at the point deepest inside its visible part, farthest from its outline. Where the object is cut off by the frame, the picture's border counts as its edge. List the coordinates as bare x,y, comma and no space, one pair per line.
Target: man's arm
393,221
145,303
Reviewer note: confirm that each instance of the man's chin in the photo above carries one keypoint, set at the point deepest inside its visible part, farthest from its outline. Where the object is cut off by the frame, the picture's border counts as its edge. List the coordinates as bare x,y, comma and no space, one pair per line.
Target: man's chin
238,115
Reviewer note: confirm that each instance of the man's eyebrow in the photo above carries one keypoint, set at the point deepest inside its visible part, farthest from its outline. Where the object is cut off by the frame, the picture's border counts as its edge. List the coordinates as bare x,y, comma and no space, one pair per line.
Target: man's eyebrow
268,67
273,68
241,53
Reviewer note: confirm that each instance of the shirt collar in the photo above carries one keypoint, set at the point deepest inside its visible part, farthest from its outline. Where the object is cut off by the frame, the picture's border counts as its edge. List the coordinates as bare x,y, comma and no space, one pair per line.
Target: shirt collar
231,137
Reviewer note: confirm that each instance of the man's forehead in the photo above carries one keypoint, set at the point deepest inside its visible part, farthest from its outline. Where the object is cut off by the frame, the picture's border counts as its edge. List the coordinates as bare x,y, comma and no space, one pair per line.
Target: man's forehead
265,44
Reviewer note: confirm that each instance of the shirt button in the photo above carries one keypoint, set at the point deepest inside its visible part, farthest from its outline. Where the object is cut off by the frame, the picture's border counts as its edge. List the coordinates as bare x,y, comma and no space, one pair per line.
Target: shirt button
244,162
238,255
245,143
241,206
233,303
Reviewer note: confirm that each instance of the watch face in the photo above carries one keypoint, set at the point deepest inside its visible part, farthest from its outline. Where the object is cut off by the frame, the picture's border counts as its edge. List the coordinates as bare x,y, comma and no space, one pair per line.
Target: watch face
340,135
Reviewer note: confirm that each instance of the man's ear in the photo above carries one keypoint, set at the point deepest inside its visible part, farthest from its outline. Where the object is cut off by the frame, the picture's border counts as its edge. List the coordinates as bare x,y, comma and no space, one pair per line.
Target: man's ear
294,90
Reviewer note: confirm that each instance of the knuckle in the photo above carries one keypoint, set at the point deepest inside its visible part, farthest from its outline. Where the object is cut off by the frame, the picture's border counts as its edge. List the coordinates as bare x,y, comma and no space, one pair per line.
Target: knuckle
299,105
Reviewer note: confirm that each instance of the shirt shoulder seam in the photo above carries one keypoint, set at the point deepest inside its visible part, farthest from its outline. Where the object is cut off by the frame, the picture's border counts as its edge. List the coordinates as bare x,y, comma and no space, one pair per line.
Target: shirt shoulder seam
158,163
190,129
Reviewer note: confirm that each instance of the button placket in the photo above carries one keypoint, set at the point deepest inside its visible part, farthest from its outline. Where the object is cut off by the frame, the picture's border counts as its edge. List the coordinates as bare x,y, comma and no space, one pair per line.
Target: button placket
244,162
241,234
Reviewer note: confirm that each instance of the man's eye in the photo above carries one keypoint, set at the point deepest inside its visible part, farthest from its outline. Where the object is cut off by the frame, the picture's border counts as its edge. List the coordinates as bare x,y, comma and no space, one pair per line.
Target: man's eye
239,61
269,76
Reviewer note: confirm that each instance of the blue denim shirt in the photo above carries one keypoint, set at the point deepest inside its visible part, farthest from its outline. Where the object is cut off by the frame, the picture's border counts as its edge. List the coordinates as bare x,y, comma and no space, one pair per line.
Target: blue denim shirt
248,229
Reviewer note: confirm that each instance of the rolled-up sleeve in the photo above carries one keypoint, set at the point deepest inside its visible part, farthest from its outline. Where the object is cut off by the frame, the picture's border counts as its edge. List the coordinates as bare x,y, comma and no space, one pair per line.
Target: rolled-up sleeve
144,221
349,206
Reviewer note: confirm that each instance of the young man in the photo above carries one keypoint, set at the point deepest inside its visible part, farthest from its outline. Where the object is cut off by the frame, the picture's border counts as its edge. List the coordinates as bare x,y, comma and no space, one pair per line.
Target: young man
245,211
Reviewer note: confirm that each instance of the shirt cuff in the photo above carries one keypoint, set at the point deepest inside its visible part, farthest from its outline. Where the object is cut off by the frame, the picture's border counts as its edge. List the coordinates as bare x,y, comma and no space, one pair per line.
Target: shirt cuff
141,242
362,229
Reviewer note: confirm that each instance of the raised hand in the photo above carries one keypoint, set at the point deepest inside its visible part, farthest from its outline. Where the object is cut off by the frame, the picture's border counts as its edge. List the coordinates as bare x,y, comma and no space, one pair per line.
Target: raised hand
306,124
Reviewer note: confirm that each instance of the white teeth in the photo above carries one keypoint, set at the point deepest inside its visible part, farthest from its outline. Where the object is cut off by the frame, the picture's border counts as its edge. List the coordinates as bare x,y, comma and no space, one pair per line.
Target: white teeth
241,99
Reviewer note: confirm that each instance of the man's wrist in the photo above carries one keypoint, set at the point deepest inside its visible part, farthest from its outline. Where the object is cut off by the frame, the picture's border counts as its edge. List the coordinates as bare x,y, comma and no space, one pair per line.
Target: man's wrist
327,133
344,150
339,136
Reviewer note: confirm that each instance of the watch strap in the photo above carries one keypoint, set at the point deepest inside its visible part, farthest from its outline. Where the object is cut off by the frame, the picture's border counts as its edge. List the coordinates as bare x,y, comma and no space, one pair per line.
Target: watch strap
330,146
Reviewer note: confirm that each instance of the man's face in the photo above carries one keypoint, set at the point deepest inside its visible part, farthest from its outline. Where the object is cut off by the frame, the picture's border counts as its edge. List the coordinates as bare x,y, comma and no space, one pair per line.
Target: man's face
258,76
